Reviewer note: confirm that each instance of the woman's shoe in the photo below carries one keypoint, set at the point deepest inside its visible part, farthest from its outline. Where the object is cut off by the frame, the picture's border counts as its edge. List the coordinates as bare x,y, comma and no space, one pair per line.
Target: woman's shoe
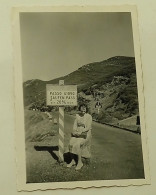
71,164
79,166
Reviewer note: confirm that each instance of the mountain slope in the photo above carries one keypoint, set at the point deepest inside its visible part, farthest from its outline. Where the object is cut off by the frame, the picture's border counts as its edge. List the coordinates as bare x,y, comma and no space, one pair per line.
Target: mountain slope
112,82
84,77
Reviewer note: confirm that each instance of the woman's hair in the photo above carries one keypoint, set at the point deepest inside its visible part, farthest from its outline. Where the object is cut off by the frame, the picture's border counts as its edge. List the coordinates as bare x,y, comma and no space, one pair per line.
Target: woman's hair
83,105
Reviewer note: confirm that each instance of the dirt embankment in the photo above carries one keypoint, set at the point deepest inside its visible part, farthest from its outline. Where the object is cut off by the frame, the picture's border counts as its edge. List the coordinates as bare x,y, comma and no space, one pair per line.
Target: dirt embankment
38,126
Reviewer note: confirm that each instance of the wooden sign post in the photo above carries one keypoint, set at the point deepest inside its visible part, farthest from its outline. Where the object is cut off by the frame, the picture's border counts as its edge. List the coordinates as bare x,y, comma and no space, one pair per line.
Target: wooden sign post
61,95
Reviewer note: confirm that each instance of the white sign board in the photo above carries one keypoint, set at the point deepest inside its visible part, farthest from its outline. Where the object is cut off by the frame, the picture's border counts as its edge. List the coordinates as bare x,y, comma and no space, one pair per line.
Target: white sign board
61,95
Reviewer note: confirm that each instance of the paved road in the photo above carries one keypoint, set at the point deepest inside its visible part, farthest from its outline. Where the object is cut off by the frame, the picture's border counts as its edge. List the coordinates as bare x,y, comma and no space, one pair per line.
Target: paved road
119,148
116,154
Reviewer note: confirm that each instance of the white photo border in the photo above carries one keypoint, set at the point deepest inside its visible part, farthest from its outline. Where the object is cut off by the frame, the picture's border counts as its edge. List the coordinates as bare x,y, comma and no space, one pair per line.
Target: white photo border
19,109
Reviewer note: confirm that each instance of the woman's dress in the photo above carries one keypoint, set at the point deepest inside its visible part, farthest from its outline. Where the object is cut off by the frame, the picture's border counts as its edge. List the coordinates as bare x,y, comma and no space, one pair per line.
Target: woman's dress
81,144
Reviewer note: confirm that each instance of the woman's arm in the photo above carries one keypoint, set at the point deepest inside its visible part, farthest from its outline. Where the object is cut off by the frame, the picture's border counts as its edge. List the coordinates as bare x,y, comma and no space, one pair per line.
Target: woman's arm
88,123
75,125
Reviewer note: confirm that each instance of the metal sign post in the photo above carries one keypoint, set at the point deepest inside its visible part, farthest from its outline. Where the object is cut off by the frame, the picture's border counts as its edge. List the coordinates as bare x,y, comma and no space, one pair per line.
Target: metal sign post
61,95
61,133
61,128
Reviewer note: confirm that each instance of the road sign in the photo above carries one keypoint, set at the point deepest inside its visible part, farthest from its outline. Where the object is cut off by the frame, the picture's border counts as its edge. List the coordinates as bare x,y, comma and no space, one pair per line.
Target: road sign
61,95
98,106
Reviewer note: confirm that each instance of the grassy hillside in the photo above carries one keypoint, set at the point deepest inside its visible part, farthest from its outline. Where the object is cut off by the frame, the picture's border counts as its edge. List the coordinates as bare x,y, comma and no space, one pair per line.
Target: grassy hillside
38,126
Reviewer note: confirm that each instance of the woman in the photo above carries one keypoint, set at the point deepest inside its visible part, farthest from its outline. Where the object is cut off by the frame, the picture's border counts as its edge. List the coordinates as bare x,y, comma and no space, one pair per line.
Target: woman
81,137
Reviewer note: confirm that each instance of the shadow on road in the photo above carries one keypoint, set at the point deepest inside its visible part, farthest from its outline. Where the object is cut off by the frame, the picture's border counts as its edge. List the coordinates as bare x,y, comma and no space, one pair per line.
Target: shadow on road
49,149
67,156
52,150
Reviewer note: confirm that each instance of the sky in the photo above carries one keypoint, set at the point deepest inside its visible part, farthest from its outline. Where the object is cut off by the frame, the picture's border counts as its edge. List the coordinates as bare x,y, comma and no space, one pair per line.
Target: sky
56,44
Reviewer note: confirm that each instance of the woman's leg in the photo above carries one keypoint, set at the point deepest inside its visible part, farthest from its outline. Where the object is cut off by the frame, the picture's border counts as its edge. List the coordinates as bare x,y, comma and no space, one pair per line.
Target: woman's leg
79,164
72,161
75,148
79,153
71,154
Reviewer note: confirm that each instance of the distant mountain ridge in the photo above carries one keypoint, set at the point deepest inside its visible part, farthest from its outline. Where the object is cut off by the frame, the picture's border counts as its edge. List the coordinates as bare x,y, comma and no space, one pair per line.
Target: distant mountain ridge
84,77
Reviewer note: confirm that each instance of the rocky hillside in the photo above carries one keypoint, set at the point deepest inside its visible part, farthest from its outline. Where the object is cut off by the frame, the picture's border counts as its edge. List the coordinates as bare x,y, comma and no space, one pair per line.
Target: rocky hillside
111,82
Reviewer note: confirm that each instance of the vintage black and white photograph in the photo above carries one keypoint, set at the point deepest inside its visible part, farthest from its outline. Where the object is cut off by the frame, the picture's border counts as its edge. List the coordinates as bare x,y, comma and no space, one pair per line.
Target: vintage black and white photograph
81,108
